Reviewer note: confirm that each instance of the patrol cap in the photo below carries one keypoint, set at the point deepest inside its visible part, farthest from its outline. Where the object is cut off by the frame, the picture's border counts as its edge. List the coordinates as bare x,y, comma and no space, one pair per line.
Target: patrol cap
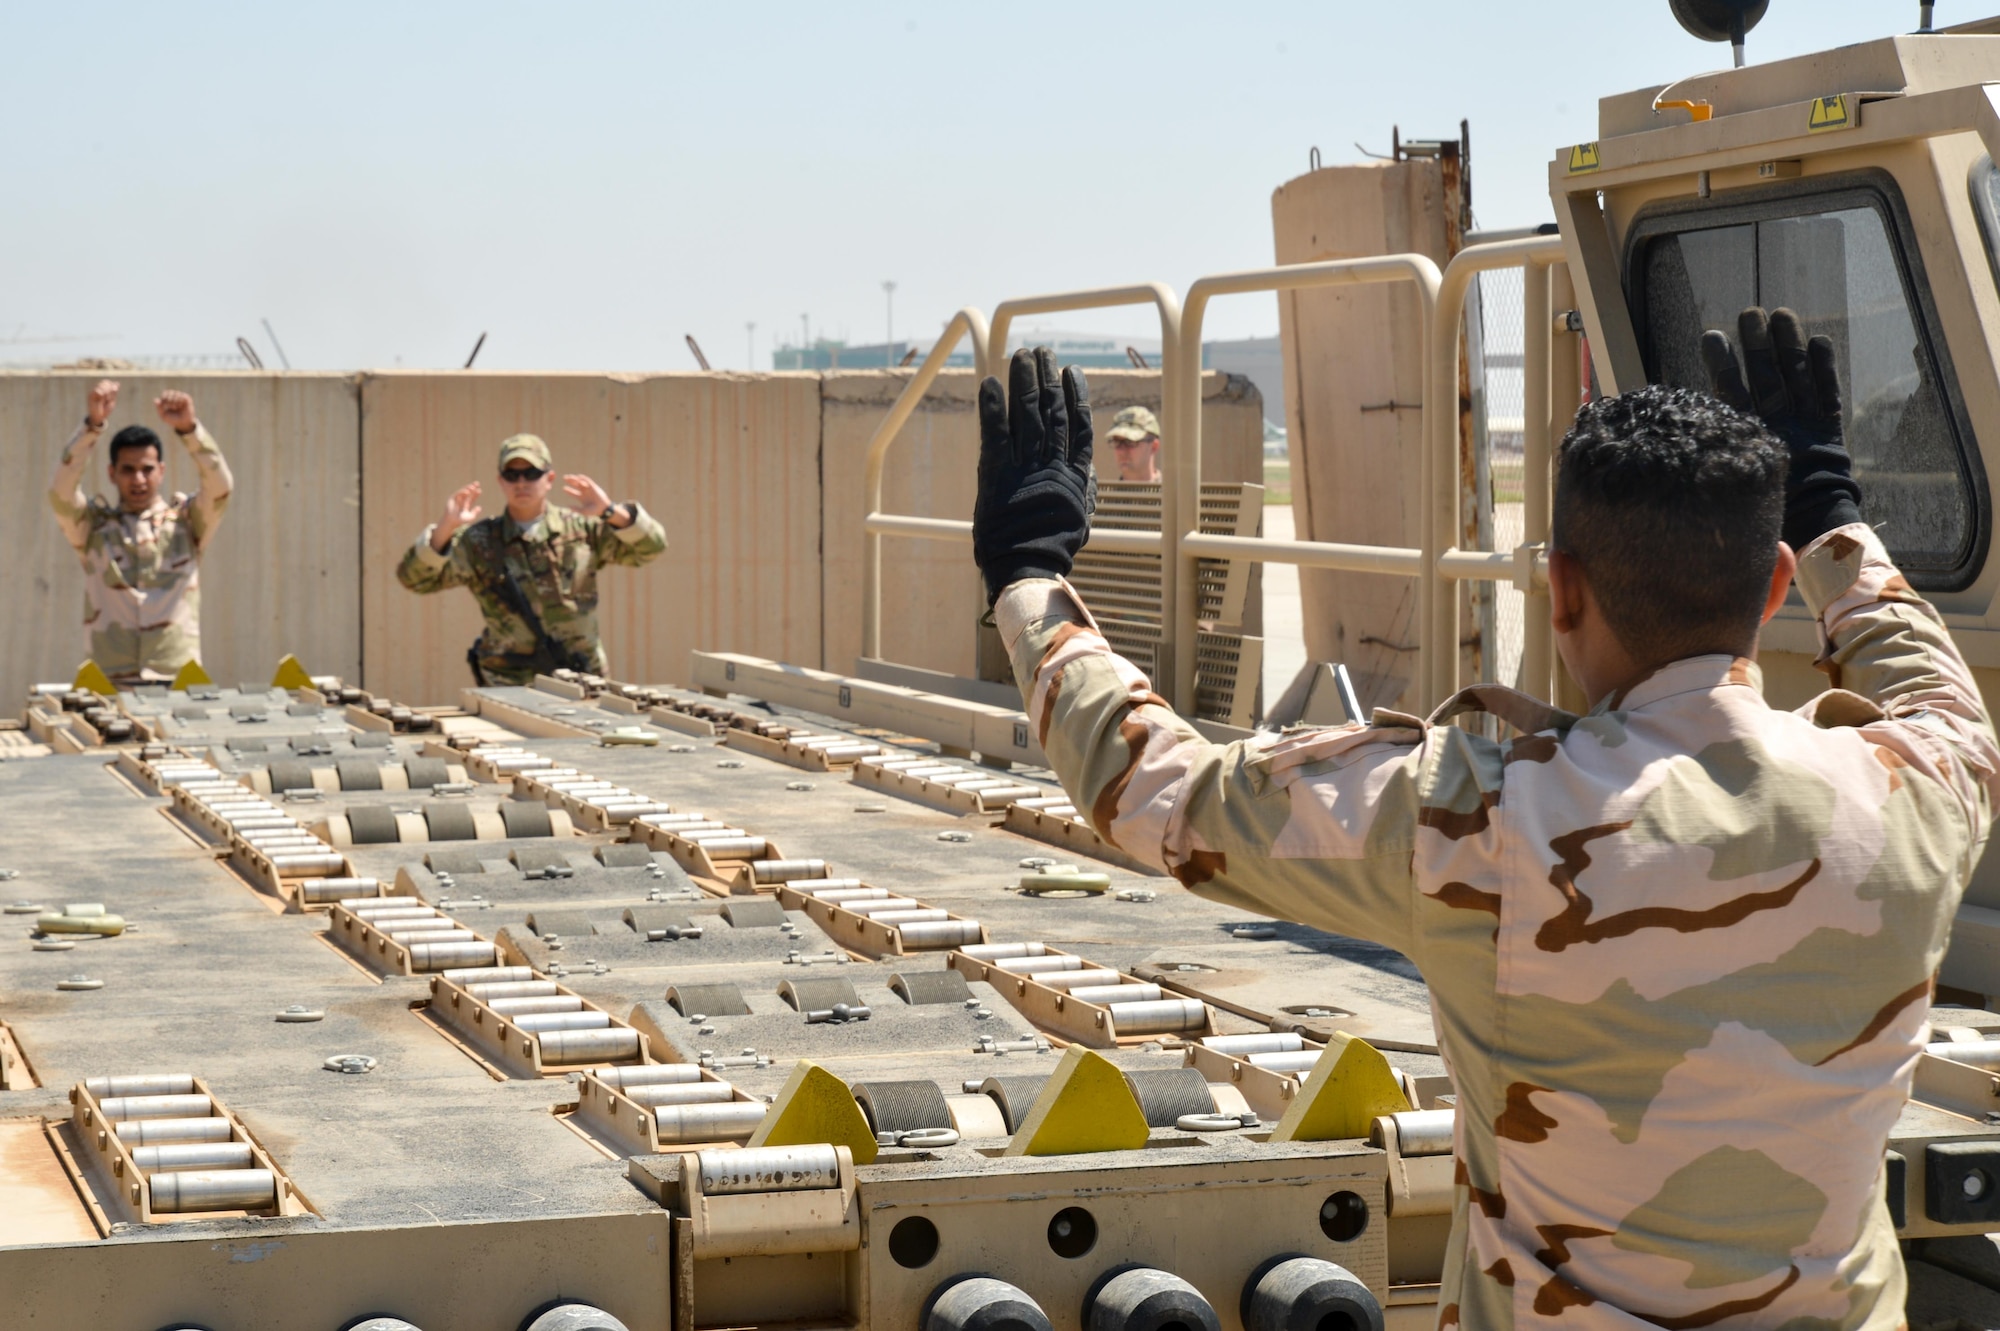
1136,424
527,448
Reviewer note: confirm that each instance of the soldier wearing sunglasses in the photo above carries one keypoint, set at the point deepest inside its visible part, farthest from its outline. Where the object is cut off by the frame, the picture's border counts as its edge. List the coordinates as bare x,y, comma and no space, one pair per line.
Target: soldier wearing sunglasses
533,568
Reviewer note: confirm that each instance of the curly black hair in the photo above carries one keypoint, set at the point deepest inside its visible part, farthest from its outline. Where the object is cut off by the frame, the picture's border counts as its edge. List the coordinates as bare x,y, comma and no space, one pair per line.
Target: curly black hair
1671,501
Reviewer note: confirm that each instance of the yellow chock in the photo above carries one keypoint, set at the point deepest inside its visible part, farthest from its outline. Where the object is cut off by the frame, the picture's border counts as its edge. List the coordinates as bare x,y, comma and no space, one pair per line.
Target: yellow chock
91,676
1348,1089
190,675
816,1107
1087,1106
291,675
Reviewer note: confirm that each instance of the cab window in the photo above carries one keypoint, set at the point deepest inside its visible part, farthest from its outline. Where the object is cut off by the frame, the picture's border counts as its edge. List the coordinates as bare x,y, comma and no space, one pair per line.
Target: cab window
1841,259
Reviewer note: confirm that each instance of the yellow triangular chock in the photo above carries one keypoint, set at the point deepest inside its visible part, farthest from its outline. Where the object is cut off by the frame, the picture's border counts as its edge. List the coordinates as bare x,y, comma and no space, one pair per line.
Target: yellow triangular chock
1086,1106
816,1107
291,675
91,676
1349,1087
188,676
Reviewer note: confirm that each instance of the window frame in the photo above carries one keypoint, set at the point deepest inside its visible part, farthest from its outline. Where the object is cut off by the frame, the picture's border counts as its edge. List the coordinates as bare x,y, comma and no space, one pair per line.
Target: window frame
1872,188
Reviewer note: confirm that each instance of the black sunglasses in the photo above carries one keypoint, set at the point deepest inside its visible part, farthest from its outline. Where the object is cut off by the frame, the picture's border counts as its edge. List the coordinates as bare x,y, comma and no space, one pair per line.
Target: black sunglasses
519,474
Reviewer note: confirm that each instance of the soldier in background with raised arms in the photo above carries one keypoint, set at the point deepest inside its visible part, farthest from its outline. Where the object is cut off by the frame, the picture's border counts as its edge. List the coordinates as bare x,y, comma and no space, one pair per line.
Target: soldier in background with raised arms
1680,948
142,554
533,568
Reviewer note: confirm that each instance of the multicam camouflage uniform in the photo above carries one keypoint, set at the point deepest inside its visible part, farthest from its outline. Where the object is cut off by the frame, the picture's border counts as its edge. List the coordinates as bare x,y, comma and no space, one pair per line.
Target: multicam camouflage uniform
554,564
142,598
1680,948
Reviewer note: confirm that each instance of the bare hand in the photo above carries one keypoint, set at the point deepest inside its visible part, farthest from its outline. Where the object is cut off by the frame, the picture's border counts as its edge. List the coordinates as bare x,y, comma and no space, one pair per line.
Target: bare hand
460,509
591,501
176,409
103,401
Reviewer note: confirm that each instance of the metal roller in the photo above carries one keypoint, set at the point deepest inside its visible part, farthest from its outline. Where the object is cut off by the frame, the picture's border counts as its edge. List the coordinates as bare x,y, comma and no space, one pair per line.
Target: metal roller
1305,1294
321,890
1015,1095
1424,1131
1273,1042
998,952
685,1093
1166,1094
851,750
981,1303
735,1121
1084,979
652,1074
487,992
156,1131
1033,963
1302,1061
784,871
589,1046
580,1020
672,819
382,1324
126,1108
1147,1299
306,866
735,848
142,1083
911,916
1974,1053
875,905
1116,993
903,1106
508,1007
847,896
718,833
938,933
489,974
812,887
193,1155
389,912
214,1190
576,1317
437,956
1169,1014
769,1169
432,937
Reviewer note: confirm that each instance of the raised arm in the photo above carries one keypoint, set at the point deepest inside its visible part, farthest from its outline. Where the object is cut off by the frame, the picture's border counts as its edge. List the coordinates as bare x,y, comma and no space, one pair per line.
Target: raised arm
1318,827
625,533
1878,638
212,496
434,562
66,496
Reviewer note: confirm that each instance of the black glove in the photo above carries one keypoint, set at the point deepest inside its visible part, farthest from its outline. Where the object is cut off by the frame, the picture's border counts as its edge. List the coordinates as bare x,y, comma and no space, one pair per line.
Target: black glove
1036,486
1795,389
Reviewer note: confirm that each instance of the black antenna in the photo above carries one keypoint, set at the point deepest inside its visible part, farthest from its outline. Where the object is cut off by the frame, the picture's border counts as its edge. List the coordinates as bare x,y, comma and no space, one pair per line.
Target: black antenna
1924,8
273,335
695,347
249,353
475,351
1137,357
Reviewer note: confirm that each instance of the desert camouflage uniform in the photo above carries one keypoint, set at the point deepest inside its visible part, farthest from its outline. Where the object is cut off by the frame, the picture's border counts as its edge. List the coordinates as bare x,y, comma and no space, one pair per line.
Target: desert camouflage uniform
142,598
1680,949
555,565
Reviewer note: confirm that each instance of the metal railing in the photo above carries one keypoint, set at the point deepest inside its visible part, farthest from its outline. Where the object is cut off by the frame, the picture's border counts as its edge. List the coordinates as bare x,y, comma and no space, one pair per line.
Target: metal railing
1438,564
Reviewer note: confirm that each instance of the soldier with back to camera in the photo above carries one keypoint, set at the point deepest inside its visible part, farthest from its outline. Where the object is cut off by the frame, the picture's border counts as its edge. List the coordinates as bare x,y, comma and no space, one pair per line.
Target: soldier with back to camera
141,555
1681,947
532,568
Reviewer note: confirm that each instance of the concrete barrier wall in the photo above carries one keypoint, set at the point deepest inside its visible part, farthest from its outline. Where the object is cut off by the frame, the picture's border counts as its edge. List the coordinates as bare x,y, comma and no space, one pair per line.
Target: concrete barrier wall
755,477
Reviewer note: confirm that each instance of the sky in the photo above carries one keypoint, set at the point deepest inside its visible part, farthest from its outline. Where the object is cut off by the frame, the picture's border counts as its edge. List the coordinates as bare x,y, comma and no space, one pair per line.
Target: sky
589,184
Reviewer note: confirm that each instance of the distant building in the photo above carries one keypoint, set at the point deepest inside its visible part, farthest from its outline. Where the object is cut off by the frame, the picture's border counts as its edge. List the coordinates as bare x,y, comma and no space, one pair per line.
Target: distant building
1258,359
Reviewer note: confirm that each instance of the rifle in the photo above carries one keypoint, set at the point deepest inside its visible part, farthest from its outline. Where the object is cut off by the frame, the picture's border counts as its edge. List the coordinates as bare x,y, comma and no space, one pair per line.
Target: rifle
547,647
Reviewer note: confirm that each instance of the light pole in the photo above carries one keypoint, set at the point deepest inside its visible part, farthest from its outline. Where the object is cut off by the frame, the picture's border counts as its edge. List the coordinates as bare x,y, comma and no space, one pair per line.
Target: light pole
889,340
750,338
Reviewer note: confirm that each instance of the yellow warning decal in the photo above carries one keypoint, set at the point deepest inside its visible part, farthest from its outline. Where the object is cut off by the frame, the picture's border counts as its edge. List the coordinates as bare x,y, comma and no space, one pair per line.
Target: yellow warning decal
1582,158
1829,113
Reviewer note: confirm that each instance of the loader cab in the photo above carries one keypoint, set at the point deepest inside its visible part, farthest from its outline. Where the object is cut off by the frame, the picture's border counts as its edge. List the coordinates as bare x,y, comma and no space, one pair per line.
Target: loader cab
1858,187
